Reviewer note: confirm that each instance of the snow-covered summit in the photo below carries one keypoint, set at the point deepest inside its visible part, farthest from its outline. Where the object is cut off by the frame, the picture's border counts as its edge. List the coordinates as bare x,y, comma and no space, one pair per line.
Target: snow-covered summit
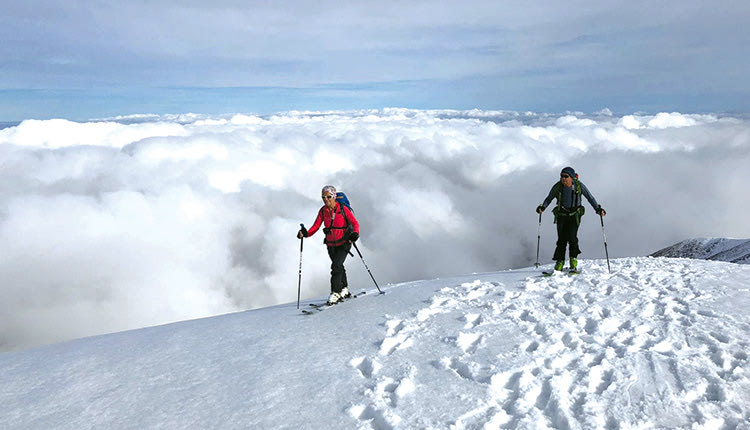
719,249
657,343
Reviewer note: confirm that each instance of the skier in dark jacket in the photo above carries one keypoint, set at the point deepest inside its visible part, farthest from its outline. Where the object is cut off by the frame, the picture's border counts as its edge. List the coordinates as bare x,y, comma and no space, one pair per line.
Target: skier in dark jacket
341,229
568,214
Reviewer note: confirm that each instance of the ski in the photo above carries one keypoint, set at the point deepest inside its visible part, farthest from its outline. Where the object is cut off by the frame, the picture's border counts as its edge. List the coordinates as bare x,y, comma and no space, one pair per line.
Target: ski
317,307
566,271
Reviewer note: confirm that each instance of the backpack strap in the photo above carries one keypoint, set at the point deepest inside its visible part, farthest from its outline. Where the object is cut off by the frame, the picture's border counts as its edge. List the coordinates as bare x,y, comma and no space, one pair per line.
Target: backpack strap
343,214
347,229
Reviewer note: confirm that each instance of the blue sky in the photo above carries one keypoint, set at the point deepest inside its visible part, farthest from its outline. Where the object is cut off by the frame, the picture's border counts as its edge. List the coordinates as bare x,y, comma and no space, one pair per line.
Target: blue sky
92,59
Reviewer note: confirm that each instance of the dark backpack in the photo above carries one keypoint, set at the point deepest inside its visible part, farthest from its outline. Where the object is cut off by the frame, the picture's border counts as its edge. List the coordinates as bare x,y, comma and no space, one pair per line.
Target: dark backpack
558,211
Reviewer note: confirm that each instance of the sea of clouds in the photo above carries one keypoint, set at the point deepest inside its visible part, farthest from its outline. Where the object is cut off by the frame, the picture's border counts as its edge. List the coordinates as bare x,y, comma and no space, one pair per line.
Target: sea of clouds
141,220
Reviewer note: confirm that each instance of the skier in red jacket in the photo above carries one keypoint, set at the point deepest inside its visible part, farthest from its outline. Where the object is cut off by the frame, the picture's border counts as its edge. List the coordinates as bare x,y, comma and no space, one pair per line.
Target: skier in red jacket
341,229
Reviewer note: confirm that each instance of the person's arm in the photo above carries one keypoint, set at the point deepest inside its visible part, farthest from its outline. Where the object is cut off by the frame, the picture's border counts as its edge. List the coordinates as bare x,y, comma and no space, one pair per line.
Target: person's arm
597,207
352,220
548,200
316,225
586,193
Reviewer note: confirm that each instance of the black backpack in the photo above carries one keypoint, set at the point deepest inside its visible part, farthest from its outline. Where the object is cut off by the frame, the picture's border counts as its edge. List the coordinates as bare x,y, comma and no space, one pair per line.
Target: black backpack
579,210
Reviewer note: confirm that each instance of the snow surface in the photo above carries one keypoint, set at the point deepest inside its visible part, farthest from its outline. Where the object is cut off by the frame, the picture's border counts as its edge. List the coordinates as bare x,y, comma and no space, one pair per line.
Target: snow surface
658,343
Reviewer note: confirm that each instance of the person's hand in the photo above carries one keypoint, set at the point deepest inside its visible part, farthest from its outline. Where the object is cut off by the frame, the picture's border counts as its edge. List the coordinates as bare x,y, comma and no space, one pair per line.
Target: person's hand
302,233
600,210
539,209
354,236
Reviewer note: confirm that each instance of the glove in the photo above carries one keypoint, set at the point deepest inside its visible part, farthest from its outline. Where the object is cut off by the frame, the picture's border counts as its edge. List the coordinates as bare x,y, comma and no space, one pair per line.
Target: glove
302,233
354,236
600,211
539,209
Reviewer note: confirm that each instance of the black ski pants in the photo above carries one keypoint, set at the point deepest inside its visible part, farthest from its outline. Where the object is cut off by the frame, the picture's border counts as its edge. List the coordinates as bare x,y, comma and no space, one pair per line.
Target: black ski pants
338,255
567,234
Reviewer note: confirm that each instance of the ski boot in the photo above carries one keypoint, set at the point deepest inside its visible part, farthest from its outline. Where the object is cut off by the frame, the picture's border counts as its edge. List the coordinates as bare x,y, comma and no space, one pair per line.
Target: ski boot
334,298
345,294
559,265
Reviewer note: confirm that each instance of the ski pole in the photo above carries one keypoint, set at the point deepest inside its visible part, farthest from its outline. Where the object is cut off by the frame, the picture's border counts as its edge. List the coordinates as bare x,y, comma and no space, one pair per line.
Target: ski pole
606,252
538,239
368,269
299,284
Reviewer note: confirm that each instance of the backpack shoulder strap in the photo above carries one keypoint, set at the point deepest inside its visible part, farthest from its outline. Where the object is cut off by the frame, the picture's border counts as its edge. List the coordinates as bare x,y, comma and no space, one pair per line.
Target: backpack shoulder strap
558,193
577,184
343,213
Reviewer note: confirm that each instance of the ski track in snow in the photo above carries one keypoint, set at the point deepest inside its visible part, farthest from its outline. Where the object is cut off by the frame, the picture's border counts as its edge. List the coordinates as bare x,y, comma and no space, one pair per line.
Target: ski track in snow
631,349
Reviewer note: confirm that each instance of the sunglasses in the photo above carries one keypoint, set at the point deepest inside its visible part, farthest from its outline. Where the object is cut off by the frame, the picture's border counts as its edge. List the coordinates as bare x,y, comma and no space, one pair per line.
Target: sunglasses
327,197
564,176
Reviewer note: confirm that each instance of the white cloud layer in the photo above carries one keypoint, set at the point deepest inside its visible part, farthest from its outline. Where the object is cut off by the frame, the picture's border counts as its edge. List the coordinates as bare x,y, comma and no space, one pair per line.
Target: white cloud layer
137,221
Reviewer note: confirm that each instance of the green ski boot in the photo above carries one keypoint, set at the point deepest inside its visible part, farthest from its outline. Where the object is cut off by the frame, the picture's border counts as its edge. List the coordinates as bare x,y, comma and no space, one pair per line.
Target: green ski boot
573,265
559,265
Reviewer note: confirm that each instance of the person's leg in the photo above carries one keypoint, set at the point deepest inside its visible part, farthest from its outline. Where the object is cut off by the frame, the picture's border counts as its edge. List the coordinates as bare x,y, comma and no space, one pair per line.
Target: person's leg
345,293
338,255
562,240
572,236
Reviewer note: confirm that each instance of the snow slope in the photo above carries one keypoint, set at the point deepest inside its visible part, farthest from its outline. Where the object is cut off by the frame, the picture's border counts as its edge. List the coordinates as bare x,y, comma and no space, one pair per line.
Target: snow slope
719,249
657,343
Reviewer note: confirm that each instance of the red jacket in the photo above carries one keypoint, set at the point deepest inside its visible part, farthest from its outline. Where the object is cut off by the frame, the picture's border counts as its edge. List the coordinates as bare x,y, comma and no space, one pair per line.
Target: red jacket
336,236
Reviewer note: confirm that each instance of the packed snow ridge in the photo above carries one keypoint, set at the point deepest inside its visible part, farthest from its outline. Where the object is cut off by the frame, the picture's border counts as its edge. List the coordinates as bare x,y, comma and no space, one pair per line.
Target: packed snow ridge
719,249
656,343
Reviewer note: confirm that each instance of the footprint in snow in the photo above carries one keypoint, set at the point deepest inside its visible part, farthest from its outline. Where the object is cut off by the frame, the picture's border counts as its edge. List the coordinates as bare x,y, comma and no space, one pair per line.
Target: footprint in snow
366,366
468,342
395,342
459,367
472,320
394,326
371,415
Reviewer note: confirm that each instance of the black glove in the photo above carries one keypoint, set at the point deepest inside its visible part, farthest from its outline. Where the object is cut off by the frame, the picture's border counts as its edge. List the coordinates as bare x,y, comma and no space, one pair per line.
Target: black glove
302,233
354,236
600,211
539,209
